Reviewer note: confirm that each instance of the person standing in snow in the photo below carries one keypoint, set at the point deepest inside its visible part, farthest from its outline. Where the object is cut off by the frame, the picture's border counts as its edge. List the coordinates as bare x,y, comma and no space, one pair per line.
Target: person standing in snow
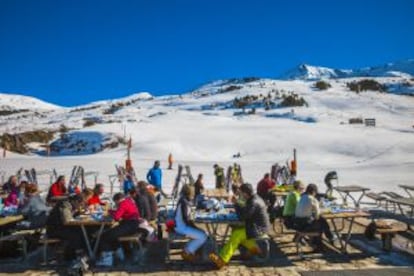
219,173
170,161
154,177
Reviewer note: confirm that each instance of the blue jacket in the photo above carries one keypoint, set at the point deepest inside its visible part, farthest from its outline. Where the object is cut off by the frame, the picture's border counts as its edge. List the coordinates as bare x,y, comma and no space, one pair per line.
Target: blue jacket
128,186
154,177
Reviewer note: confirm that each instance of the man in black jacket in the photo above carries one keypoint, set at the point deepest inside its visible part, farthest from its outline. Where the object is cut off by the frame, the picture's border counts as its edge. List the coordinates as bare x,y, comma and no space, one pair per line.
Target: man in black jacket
256,219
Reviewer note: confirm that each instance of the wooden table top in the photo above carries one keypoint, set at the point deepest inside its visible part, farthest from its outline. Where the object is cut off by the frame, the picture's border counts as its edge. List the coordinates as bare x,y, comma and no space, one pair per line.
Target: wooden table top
404,201
58,198
356,214
10,219
390,226
89,221
279,193
222,193
351,188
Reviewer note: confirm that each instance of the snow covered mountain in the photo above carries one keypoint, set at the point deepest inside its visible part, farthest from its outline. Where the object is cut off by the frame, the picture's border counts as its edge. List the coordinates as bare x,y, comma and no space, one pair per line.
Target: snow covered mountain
11,101
403,68
262,119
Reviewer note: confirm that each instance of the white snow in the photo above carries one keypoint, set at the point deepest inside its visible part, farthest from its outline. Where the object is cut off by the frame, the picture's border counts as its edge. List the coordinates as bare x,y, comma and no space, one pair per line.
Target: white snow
199,129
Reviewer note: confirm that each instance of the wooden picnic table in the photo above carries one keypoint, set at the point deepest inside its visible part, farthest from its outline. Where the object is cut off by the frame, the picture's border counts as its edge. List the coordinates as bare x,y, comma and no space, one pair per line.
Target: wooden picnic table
280,196
403,202
217,193
408,189
213,225
387,228
345,192
4,221
348,215
87,221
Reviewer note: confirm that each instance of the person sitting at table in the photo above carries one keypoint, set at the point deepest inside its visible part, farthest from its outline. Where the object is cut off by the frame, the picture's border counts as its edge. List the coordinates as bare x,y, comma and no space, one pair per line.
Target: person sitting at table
95,201
256,219
185,226
236,195
35,210
264,191
198,186
128,216
12,199
16,196
61,213
291,202
21,196
10,185
308,215
58,188
145,201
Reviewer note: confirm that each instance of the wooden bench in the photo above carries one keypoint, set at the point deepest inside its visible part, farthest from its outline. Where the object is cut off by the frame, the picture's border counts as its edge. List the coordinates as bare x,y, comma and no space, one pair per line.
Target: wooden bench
46,242
387,228
299,236
20,239
174,238
377,197
133,240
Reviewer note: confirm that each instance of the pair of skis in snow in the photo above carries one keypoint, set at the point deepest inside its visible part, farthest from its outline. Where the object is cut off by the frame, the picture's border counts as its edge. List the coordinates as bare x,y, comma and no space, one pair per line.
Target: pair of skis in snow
187,176
281,174
31,176
77,178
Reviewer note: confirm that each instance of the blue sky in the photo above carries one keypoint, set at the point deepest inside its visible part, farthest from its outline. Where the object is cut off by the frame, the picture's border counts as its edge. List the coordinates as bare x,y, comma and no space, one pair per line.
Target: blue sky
77,51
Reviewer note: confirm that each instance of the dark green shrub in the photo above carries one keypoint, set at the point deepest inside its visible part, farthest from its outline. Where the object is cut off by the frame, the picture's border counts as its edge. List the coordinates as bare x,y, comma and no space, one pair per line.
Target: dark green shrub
88,123
322,85
293,100
231,88
364,85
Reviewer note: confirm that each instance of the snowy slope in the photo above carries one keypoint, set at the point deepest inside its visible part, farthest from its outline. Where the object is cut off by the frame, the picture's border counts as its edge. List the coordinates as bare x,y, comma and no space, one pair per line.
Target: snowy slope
200,128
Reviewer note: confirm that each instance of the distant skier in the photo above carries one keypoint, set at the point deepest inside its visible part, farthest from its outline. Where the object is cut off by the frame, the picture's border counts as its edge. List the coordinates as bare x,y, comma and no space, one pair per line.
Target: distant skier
170,161
219,173
154,177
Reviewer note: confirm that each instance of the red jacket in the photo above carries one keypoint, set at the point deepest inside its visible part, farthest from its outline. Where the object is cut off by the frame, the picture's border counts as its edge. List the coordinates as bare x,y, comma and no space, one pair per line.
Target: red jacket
265,185
57,190
95,200
127,210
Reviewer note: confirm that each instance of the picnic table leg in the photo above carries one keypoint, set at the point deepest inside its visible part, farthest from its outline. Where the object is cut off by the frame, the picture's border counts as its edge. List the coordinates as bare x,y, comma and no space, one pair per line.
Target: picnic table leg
98,239
88,245
343,197
359,199
356,202
408,192
387,241
210,232
226,233
348,235
336,230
